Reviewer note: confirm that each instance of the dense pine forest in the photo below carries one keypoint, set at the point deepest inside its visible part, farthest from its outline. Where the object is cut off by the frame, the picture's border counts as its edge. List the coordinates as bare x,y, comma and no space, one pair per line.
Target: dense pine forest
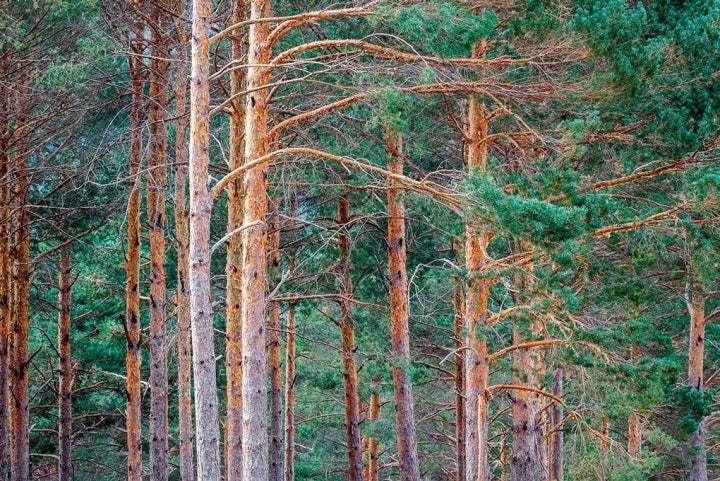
413,240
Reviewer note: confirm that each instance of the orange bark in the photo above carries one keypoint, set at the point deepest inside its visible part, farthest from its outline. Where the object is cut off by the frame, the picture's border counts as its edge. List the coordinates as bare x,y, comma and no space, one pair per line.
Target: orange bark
65,471
201,310
254,261
133,424
233,267
290,371
634,434
459,310
352,400
276,428
5,268
557,440
182,296
399,321
696,308
374,443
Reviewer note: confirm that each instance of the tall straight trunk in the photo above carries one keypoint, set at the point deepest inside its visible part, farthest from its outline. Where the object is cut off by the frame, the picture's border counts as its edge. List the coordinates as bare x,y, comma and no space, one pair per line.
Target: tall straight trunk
399,321
201,311
65,471
634,434
557,440
182,296
476,359
133,422
233,264
276,374
5,268
696,308
19,380
254,249
459,312
156,198
352,399
374,442
290,395
290,367
529,453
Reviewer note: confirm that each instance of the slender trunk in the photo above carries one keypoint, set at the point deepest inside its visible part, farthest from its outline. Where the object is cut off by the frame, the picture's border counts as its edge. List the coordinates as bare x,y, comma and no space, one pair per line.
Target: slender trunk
156,198
399,320
201,310
476,309
276,428
556,459
65,471
352,400
528,453
5,267
133,326
634,434
290,395
290,369
696,307
233,265
605,433
254,262
459,311
19,381
182,296
374,443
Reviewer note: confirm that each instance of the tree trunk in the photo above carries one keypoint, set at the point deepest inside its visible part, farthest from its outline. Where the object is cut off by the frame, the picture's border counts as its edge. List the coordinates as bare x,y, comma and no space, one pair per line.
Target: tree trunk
19,381
182,297
133,422
696,307
5,268
459,313
276,374
476,312
374,442
201,310
233,265
399,320
254,262
65,471
605,433
556,450
352,400
634,434
290,368
156,197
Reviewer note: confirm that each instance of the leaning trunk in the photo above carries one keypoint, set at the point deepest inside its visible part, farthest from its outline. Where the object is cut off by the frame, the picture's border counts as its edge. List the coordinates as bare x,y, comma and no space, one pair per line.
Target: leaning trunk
399,320
352,400
201,310
65,391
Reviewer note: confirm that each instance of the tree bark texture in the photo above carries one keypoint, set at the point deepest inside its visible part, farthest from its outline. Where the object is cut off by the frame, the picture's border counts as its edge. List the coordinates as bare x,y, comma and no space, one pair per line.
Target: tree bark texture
133,422
476,313
459,311
352,399
254,262
19,380
182,295
696,308
5,274
399,321
65,470
290,357
634,434
274,350
201,311
557,439
233,263
374,443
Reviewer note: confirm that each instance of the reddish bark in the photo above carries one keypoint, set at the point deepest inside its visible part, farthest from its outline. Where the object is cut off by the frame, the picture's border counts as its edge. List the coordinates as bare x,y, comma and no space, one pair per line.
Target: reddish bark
233,264
276,374
459,310
557,440
133,424
399,320
65,471
352,400
696,308
5,268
